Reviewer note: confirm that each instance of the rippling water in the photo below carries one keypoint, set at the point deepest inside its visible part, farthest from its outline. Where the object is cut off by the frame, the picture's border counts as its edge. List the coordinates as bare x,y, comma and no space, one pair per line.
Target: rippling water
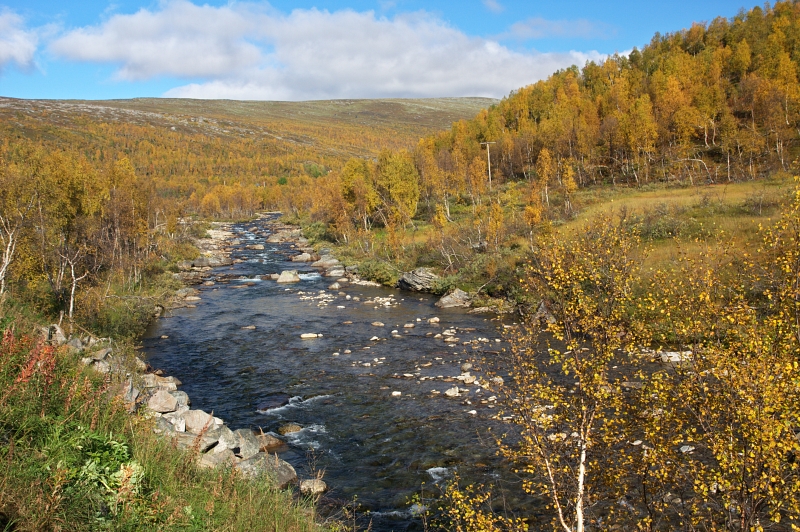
371,444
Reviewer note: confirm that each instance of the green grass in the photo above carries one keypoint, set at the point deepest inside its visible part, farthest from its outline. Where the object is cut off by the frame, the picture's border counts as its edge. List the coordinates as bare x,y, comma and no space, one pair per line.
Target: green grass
73,458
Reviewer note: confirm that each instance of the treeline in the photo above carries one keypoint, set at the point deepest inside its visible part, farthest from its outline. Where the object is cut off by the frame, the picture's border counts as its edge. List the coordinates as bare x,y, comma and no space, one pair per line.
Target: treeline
67,225
714,103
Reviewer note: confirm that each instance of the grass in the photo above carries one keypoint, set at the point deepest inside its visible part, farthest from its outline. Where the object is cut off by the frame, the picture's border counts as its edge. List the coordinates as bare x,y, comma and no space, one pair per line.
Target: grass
74,459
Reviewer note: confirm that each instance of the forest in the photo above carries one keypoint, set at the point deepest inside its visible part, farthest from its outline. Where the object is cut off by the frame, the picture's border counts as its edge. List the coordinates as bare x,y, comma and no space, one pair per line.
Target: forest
646,203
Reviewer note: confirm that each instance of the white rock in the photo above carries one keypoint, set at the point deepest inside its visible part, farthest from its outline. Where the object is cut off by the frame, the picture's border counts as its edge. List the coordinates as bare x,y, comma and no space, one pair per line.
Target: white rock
308,336
452,392
397,394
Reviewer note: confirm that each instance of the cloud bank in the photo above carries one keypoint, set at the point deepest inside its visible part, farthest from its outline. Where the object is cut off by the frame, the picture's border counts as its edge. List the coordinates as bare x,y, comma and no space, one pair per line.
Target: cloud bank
249,51
17,45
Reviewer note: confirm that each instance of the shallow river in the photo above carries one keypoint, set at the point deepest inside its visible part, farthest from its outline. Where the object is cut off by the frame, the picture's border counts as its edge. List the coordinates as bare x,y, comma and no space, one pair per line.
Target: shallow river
371,444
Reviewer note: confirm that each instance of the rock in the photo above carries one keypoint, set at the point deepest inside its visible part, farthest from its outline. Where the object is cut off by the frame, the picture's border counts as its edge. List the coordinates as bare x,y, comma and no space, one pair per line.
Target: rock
281,472
675,357
181,397
497,380
452,392
183,292
378,323
409,326
101,366
248,444
197,420
249,327
211,459
469,379
314,486
465,367
75,343
433,320
273,400
139,364
185,440
56,335
456,298
308,336
543,314
227,440
162,402
215,261
335,286
397,394
86,361
419,280
289,428
101,354
289,276
327,261
131,392
254,247
184,265
303,257
268,442
163,426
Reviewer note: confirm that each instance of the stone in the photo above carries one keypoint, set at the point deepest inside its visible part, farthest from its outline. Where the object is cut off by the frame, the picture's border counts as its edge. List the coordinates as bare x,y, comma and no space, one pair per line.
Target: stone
469,379
181,397
101,354
378,323
227,440
281,472
267,442
397,394
139,364
211,459
314,486
433,320
101,366
131,393
75,343
248,444
543,314
289,428
497,380
309,336
185,440
456,298
409,326
327,261
56,335
465,367
334,286
303,257
675,357
163,426
162,402
255,247
452,392
289,276
197,420
419,280
184,265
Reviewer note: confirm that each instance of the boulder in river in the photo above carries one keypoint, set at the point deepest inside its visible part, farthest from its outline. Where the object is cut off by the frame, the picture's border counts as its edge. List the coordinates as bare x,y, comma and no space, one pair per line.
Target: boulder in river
289,428
268,442
456,298
452,392
274,400
303,257
248,444
281,472
313,486
255,247
289,276
419,280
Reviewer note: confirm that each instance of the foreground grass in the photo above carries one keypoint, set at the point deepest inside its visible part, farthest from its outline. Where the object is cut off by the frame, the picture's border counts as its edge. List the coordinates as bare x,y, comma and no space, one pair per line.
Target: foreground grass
73,459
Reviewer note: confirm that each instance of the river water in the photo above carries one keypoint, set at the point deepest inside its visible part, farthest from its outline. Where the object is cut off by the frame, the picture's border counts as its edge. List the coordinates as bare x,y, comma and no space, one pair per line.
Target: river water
372,444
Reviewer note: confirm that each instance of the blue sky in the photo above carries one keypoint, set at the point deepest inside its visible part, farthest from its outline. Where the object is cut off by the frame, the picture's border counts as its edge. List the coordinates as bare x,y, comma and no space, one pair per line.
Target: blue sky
322,49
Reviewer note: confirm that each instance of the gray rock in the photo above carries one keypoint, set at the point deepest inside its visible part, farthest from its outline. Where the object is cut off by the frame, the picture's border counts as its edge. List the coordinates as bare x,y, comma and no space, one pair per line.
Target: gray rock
335,286
456,298
289,276
326,261
185,440
303,257
248,444
131,392
197,420
181,397
163,426
281,472
211,459
75,343
184,265
215,261
255,247
334,273
201,262
101,354
101,366
314,486
465,367
162,402
267,442
56,335
419,280
227,440
543,314
452,392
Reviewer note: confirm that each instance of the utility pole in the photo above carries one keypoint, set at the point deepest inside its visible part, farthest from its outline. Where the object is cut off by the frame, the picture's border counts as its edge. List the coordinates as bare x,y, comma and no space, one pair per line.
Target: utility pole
489,160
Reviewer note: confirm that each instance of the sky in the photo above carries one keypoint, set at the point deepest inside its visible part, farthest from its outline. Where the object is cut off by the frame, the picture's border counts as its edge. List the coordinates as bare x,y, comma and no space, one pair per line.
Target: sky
322,49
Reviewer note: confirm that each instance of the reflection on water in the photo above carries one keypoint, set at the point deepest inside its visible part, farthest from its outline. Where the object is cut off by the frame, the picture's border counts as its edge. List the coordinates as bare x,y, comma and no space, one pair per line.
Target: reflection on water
371,444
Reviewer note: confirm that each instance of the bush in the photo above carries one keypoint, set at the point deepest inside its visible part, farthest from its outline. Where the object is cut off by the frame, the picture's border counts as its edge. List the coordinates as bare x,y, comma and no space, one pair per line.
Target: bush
378,271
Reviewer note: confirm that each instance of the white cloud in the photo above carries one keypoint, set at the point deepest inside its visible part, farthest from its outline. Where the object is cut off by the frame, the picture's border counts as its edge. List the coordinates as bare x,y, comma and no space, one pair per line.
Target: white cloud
17,44
239,51
494,6
540,28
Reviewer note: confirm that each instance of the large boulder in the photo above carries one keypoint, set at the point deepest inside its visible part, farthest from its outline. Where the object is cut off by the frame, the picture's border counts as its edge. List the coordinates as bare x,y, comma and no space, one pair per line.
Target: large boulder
456,298
303,257
197,420
419,280
281,472
326,261
289,276
162,402
249,446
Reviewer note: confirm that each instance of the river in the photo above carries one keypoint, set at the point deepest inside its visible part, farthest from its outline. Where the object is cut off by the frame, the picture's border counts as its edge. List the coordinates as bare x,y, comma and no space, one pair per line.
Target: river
371,442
